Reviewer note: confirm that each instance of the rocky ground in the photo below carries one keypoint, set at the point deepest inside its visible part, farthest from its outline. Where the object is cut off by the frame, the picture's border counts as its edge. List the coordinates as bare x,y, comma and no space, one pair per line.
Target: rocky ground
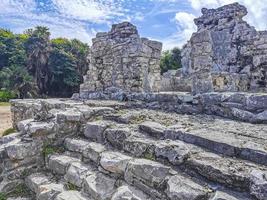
5,118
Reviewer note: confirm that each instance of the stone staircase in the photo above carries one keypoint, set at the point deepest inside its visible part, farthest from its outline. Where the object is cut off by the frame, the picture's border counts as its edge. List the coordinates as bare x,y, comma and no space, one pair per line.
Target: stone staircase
85,151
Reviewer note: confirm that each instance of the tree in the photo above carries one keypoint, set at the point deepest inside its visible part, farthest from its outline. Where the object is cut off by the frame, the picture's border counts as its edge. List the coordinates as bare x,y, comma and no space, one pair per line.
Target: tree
31,63
17,80
64,78
171,60
80,51
38,49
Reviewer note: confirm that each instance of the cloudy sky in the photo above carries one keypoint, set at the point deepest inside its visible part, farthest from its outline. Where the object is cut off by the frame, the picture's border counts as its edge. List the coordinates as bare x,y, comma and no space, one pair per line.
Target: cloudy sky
169,21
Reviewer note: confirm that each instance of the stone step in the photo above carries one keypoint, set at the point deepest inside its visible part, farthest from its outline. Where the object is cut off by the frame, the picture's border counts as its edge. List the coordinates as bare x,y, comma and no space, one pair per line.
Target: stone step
226,143
228,171
71,195
84,176
43,186
126,166
225,170
97,185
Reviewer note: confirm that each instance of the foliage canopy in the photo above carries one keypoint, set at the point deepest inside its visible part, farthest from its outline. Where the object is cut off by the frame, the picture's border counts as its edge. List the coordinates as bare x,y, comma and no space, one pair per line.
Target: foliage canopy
32,64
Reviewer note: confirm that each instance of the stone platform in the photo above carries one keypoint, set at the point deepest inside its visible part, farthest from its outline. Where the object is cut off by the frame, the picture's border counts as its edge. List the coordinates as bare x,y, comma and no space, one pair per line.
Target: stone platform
242,106
102,149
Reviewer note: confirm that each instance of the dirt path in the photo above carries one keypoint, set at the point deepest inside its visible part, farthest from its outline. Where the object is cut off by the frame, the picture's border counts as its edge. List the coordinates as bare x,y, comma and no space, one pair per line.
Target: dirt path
5,118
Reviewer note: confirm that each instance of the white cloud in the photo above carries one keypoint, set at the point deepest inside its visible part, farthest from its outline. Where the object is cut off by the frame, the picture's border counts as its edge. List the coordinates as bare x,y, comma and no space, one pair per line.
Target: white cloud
70,20
16,6
91,10
185,28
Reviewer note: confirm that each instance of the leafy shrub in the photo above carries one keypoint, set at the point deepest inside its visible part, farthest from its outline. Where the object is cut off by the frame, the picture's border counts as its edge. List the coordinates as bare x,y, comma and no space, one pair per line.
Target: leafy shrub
170,60
5,96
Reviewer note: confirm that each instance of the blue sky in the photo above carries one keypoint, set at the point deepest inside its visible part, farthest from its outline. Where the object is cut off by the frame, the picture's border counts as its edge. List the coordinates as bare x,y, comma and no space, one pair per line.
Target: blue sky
169,21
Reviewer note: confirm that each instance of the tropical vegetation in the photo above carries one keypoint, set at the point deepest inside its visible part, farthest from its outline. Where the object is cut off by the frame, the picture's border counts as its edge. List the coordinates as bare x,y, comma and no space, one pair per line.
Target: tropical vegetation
34,65
171,60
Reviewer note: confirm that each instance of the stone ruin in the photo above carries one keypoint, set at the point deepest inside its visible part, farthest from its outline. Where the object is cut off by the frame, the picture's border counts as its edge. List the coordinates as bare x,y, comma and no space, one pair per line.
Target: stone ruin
152,145
226,53
120,59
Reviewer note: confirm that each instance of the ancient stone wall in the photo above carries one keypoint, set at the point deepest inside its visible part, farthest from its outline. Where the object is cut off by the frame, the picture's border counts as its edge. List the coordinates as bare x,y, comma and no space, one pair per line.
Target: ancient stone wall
226,53
121,59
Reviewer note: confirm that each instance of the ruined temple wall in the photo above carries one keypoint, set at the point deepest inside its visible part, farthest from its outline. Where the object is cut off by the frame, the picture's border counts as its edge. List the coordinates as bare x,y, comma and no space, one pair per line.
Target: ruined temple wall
226,53
121,59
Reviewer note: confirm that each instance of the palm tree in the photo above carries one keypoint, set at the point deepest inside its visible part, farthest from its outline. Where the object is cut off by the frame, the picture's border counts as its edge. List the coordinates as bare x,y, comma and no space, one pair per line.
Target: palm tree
38,49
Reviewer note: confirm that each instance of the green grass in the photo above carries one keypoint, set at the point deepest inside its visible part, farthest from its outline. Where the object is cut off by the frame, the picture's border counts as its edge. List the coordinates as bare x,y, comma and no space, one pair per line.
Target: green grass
4,104
48,150
71,186
19,191
3,196
8,131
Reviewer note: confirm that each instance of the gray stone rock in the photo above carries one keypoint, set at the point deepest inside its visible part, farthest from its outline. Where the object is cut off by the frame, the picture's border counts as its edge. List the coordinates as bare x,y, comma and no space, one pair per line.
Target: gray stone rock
77,172
34,181
99,186
95,130
93,151
70,195
76,145
181,188
258,187
117,136
148,172
23,150
229,195
59,163
174,151
114,162
126,192
139,147
154,129
49,191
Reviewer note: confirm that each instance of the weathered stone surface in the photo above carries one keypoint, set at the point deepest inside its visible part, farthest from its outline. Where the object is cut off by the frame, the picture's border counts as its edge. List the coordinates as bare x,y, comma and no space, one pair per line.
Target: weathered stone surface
23,150
130,193
259,184
214,138
76,145
76,172
117,136
70,195
120,59
225,54
34,181
95,130
93,151
147,172
226,171
152,128
60,163
174,151
99,186
181,188
114,162
139,147
228,195
49,191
